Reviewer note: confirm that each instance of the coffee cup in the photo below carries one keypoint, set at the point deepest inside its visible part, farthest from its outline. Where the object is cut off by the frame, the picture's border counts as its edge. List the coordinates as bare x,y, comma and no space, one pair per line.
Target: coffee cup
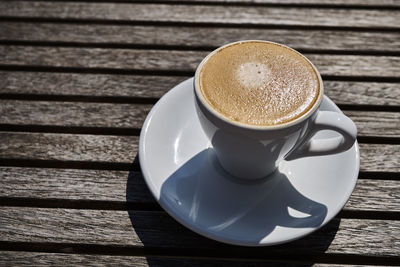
258,103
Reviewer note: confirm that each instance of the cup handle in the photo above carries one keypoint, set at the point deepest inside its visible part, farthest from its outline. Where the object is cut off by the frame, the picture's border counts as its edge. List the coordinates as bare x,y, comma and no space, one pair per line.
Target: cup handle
326,120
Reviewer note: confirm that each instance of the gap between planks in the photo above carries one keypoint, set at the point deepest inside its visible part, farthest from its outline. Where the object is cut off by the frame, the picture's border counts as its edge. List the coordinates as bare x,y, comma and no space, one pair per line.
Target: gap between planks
123,149
110,45
115,166
153,229
101,189
202,14
77,253
127,119
28,258
205,38
153,100
51,203
177,73
363,5
114,131
182,61
147,89
197,24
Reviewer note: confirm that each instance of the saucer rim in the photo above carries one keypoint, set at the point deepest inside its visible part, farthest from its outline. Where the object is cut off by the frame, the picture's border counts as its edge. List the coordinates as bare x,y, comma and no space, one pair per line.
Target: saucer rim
198,229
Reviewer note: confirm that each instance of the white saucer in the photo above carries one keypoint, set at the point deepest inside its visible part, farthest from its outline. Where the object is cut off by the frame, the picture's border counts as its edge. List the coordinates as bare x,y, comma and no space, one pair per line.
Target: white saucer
180,169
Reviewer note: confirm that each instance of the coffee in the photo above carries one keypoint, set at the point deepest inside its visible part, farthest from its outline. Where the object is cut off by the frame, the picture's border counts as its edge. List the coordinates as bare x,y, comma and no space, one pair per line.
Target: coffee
259,83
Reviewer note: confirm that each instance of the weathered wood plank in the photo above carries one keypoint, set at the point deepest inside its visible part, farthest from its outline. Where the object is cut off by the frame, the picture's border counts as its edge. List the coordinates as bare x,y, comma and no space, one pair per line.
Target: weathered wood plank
121,186
377,195
198,36
155,86
90,84
356,65
347,65
363,93
73,114
74,184
203,13
102,58
382,124
18,112
123,149
377,157
86,84
157,229
22,258
68,147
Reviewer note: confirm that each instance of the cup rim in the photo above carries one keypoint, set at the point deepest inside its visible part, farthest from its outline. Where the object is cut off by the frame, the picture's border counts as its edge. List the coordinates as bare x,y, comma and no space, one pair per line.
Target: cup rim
214,112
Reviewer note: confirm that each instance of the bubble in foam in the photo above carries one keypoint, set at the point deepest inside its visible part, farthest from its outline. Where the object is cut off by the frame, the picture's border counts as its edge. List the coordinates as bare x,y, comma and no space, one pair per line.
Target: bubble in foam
252,74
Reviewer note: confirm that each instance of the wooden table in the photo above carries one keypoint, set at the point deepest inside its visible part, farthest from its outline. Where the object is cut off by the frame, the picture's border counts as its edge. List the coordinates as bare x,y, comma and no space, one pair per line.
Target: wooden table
77,80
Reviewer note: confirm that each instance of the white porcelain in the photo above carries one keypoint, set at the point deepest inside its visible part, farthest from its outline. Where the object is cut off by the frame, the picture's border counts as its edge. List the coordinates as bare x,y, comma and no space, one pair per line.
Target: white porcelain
252,151
180,168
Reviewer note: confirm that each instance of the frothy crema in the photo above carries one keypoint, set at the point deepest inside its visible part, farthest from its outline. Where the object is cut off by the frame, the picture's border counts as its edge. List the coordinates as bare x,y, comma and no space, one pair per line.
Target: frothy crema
259,83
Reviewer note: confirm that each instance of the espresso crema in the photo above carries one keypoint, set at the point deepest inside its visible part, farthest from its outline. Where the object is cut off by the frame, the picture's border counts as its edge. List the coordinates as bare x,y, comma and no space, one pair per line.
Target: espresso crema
259,83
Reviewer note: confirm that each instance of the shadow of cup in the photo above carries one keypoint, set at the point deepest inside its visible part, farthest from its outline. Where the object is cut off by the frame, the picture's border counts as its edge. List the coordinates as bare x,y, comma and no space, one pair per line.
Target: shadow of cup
158,230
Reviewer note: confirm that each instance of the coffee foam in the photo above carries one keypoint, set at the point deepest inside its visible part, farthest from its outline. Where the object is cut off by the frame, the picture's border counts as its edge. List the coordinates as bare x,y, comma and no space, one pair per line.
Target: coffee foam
259,83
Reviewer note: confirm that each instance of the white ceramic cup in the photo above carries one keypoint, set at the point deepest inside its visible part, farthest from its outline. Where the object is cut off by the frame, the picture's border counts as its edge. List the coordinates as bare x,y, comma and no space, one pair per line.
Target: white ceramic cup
253,152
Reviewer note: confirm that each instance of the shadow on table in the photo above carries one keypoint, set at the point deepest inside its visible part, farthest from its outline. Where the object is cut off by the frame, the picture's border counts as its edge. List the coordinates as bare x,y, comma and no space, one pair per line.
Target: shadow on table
160,234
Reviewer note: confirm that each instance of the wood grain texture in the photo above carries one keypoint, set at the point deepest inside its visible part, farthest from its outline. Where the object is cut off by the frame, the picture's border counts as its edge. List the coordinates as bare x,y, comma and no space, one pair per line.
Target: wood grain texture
71,184
88,84
347,65
73,114
203,13
157,229
17,112
80,147
363,93
20,258
198,36
68,147
46,83
121,186
370,194
382,124
102,58
379,157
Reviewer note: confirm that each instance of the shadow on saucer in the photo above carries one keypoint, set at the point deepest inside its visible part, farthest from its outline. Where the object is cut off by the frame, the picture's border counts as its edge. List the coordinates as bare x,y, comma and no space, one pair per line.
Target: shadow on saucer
225,207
